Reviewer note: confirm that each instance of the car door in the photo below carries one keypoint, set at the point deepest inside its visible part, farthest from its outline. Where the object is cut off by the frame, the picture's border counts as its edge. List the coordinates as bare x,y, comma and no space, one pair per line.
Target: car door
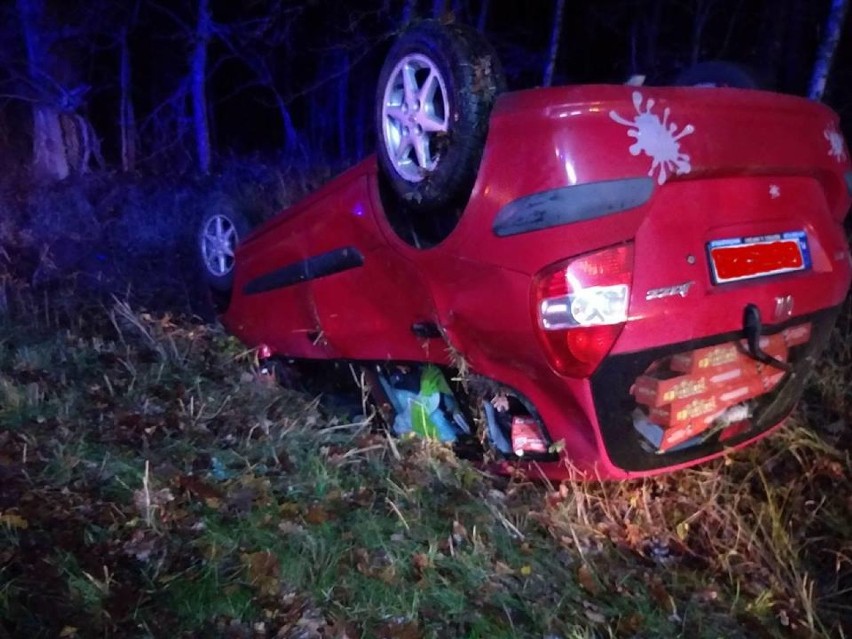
374,304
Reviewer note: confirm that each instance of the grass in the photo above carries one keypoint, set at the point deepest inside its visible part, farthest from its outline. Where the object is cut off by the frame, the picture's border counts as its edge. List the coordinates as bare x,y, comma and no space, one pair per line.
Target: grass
154,483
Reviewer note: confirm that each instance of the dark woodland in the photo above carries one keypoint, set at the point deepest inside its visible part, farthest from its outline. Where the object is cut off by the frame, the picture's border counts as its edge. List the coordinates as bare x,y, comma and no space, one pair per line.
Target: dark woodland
181,86
155,483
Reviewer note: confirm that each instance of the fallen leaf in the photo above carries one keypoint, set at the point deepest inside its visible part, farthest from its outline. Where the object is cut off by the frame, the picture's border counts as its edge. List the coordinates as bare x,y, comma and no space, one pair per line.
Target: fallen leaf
149,502
316,515
290,528
364,497
340,630
459,532
399,629
587,580
289,510
661,595
263,570
242,499
13,520
141,545
362,560
421,562
386,573
594,616
629,625
196,487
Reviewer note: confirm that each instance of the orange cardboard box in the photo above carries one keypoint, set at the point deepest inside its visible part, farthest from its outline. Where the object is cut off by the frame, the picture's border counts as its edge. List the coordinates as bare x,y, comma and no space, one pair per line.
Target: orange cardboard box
663,387
750,389
701,359
730,354
770,343
771,379
682,411
674,436
666,386
680,431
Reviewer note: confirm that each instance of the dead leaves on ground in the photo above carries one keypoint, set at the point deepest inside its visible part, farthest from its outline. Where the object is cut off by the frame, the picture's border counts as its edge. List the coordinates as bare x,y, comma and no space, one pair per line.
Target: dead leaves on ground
263,571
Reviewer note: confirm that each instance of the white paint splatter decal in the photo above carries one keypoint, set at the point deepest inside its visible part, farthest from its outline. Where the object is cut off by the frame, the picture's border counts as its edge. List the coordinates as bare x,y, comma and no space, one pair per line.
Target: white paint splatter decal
657,138
836,147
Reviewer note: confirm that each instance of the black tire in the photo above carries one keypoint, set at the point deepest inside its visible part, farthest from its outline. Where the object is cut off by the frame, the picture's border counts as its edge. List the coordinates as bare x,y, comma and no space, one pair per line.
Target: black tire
217,267
470,79
718,73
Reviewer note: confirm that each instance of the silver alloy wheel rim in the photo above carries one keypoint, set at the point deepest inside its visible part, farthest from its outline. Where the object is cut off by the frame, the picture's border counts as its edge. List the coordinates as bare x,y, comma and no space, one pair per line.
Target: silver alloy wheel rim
218,241
415,114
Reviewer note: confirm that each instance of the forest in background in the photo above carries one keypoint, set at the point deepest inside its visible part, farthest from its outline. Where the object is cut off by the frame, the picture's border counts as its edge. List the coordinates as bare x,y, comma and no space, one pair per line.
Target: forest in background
155,482
178,86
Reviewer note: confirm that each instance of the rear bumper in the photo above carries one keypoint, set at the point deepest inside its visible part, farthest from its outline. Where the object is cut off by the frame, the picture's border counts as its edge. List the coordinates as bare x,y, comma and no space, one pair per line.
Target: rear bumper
628,452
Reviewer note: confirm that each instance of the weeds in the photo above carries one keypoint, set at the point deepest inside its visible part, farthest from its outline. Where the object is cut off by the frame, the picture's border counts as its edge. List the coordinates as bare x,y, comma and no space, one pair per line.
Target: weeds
154,482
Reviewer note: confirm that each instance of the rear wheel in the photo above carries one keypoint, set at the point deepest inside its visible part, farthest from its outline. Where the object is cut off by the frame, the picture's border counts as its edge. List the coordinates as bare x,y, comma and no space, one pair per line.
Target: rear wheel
718,73
434,98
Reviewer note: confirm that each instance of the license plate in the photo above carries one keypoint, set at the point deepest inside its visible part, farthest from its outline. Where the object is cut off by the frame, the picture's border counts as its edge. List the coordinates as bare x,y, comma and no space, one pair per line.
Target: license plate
745,258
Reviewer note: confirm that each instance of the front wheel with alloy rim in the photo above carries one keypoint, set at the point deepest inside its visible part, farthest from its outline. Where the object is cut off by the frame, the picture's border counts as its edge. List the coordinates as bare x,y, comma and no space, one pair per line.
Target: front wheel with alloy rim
218,236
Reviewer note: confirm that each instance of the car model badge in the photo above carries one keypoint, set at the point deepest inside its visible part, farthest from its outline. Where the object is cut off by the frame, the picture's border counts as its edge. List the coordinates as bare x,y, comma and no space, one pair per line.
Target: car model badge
669,291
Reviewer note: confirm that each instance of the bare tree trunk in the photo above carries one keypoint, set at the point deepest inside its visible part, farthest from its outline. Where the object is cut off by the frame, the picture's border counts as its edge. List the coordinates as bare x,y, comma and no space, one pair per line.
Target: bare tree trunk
127,115
651,21
699,21
364,100
291,136
198,71
733,17
774,20
408,11
439,8
825,56
482,18
49,152
555,35
342,107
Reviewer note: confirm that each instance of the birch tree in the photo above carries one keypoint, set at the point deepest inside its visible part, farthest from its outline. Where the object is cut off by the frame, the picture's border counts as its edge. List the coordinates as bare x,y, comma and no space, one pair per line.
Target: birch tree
126,113
482,16
825,56
553,49
199,33
128,133
63,138
198,82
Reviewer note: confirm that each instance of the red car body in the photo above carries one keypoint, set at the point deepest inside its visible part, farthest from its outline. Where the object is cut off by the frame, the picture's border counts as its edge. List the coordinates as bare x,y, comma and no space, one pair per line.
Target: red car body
672,174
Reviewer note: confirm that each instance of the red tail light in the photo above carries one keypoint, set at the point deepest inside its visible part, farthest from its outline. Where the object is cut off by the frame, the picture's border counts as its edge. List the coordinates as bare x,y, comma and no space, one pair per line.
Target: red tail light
580,308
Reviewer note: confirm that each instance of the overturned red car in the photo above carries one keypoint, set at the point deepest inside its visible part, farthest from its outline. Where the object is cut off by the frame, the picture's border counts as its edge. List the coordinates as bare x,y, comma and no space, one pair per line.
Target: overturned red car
606,280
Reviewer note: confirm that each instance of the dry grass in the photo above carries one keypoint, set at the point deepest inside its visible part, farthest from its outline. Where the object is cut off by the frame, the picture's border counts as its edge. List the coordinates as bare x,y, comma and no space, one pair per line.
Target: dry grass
195,495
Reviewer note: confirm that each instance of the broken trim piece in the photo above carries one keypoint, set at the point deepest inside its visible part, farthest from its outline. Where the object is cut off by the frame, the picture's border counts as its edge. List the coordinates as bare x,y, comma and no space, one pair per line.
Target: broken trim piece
312,268
570,204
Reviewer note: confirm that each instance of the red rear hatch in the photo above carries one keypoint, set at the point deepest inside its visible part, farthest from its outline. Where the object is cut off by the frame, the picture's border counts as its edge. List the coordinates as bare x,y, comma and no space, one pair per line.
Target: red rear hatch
744,210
